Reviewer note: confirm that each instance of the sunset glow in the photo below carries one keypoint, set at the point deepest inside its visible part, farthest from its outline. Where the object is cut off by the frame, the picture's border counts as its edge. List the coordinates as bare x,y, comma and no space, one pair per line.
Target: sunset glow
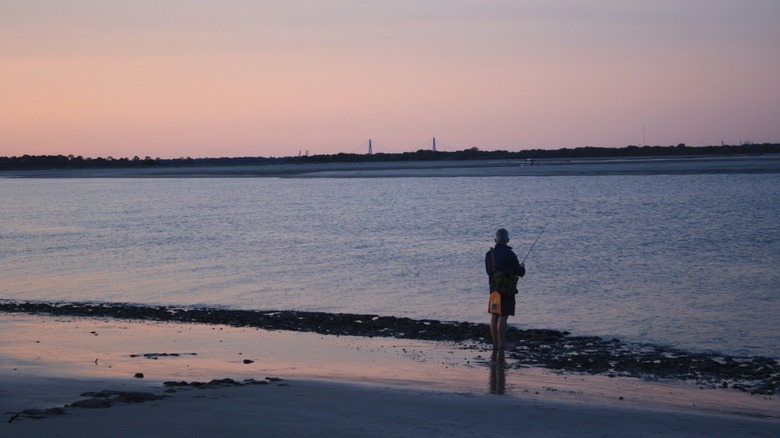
245,78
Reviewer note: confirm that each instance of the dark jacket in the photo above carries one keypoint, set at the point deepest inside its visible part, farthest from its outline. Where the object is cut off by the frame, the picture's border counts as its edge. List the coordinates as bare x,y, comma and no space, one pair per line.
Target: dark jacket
506,260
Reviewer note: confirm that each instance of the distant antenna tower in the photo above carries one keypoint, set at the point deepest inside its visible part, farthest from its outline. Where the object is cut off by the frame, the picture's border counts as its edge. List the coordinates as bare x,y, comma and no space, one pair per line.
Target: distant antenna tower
370,151
434,144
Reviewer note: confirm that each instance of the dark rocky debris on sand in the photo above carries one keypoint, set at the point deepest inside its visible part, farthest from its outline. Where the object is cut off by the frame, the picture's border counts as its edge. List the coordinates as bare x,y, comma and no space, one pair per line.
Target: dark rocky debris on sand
216,383
107,398
551,349
96,400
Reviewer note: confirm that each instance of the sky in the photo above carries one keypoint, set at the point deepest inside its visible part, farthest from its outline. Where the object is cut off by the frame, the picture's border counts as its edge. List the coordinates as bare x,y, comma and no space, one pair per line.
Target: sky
236,78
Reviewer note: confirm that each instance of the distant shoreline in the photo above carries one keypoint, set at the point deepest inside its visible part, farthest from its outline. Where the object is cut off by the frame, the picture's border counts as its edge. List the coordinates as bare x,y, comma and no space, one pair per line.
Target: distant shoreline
682,165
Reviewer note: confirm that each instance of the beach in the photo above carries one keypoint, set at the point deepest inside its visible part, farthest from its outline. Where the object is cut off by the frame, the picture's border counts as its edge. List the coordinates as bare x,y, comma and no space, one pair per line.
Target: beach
304,384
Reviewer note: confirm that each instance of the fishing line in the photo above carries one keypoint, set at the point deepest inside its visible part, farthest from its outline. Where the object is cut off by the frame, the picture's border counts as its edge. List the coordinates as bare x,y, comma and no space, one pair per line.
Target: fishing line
537,239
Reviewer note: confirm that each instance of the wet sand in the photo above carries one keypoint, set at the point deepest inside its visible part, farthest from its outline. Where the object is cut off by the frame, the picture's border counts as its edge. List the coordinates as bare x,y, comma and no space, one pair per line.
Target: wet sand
308,383
549,349
551,167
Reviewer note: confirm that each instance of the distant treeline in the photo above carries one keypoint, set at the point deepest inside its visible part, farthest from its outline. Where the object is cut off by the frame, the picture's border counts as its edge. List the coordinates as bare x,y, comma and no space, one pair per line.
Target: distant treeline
42,162
581,152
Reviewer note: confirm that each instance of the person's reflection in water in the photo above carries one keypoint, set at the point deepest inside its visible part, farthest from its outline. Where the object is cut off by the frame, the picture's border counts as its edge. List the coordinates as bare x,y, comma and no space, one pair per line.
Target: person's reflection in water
497,376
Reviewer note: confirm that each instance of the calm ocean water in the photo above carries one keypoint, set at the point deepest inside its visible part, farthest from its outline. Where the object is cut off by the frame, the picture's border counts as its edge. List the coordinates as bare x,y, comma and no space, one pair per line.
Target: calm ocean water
690,260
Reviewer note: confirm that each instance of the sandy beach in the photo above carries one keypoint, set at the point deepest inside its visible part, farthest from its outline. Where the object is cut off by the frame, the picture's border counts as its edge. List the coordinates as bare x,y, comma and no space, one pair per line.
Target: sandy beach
304,384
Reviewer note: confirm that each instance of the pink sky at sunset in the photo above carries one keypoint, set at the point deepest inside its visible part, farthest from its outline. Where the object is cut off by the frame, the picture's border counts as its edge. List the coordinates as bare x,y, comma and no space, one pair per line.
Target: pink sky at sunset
198,78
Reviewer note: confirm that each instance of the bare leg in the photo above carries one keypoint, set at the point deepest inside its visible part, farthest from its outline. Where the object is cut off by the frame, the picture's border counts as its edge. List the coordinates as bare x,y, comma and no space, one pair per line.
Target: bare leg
501,328
494,330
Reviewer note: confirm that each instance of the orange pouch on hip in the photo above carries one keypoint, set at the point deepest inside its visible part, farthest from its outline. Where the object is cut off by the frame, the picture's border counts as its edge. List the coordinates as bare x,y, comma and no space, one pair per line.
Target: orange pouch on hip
494,305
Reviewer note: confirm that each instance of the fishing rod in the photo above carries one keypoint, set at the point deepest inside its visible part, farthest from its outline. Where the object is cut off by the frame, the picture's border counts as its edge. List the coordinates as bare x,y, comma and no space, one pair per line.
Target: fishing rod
537,239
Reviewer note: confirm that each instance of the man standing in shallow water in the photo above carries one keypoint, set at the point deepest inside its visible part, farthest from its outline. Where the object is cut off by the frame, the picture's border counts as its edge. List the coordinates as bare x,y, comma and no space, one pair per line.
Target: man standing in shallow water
505,261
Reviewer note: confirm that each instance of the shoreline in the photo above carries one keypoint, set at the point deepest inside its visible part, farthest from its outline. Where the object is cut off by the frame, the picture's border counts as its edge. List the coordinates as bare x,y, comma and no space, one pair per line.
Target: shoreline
343,385
682,165
549,349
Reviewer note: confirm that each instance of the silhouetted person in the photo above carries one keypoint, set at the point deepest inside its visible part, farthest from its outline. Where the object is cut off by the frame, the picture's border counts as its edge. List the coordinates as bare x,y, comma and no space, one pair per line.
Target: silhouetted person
503,278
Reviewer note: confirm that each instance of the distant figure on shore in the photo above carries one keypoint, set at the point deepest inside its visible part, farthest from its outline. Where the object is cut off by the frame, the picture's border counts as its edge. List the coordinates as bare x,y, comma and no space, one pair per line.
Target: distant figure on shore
503,269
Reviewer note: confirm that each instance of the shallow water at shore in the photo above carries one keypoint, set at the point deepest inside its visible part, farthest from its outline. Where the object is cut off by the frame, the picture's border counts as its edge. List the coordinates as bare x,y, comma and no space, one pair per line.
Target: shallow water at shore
110,352
557,351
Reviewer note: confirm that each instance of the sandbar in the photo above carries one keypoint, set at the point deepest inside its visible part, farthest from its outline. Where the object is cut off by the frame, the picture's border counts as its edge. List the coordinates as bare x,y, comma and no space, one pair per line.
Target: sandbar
677,165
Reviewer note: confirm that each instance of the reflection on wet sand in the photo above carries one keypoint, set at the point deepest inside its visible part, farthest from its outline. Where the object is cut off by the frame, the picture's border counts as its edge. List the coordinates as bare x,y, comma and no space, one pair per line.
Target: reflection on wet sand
497,372
38,348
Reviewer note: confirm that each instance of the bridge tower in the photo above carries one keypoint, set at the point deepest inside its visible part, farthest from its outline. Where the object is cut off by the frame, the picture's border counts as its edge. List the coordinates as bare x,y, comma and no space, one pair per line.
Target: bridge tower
370,151
434,144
